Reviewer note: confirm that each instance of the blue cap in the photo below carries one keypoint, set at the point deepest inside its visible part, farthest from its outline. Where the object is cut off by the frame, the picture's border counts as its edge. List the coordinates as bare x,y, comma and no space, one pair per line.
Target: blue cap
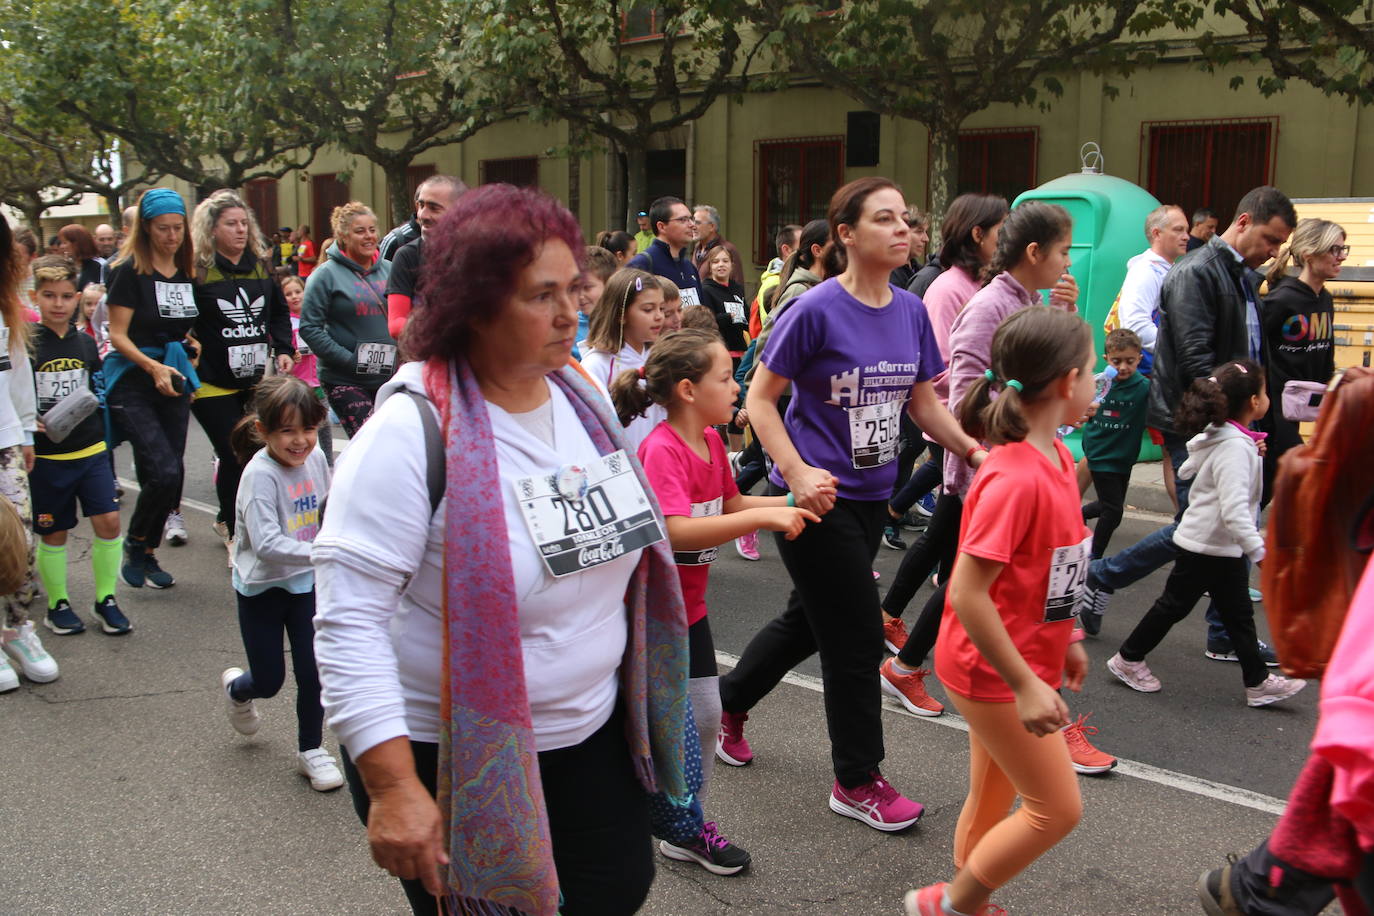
643,213
160,201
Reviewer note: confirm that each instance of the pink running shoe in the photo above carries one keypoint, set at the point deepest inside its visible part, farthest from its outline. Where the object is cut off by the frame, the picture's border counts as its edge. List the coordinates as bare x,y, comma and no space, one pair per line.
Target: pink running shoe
747,546
925,901
731,747
877,804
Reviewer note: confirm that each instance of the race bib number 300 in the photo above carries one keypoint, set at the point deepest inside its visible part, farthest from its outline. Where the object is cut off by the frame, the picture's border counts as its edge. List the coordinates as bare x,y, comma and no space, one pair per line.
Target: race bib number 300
611,519
175,300
1068,575
376,358
873,433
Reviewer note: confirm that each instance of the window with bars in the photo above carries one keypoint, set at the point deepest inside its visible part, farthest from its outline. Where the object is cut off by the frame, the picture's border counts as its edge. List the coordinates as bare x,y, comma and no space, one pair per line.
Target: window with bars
998,161
642,21
261,197
1208,163
796,179
521,171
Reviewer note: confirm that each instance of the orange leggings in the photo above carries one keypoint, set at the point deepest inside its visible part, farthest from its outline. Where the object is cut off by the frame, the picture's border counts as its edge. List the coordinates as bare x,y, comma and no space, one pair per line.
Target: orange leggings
1005,761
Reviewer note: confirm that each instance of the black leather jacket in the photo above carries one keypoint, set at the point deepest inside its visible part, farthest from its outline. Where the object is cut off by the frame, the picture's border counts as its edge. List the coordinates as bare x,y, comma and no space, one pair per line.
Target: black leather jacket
1201,324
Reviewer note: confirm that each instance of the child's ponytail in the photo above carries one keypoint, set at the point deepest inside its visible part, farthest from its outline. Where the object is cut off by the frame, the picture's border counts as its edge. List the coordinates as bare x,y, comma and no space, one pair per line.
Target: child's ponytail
1222,396
244,438
1032,349
684,354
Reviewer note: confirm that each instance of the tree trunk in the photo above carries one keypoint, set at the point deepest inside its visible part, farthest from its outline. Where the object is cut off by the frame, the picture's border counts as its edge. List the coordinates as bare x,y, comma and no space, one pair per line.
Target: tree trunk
112,204
397,193
33,213
575,171
615,183
944,173
636,183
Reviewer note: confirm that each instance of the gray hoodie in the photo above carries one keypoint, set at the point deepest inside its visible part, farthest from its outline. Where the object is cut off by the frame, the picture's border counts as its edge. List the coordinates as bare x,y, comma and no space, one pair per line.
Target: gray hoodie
1223,501
345,306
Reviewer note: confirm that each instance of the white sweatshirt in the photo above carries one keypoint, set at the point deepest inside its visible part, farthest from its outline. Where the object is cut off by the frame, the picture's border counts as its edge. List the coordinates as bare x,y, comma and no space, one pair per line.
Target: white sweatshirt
379,575
1223,501
603,368
18,404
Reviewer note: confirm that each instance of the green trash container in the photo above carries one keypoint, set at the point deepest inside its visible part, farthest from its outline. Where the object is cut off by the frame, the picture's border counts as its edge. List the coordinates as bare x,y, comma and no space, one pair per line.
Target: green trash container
1108,230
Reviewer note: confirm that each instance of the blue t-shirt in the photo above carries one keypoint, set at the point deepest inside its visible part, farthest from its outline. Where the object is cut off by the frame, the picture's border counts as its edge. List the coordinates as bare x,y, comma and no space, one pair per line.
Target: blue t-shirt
852,368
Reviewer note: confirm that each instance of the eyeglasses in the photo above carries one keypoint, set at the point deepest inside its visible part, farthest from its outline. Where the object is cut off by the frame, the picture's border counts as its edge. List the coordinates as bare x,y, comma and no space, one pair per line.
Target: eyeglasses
1340,251
679,219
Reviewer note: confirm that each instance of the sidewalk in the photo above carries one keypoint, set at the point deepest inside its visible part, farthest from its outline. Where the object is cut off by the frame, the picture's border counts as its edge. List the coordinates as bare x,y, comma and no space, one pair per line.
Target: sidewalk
1147,491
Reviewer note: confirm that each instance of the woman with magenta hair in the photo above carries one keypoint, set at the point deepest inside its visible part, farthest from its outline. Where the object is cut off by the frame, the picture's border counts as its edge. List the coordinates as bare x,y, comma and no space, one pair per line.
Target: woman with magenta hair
507,696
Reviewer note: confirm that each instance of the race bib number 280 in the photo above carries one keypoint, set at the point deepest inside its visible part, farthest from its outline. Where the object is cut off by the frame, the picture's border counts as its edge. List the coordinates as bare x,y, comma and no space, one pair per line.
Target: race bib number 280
612,518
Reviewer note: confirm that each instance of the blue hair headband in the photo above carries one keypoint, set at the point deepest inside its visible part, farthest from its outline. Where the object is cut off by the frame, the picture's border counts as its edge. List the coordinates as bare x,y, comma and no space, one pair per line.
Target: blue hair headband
160,201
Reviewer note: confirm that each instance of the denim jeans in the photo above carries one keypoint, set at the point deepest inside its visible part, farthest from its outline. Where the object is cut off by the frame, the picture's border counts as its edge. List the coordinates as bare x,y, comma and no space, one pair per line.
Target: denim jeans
1155,549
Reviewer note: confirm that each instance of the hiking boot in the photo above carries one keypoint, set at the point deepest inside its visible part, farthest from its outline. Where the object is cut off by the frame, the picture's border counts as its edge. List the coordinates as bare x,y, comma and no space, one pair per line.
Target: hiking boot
910,688
877,804
1272,689
1135,675
1087,759
731,747
710,850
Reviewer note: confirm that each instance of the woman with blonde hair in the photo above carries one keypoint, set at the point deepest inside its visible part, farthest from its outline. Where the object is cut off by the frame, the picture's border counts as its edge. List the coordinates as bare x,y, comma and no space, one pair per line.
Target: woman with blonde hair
1297,313
243,316
344,319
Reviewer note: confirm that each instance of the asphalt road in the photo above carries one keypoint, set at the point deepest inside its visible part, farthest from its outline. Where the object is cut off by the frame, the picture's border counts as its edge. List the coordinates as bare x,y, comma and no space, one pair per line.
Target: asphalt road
129,793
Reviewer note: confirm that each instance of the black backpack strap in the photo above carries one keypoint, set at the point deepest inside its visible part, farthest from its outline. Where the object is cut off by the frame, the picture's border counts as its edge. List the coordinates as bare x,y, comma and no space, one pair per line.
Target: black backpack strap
434,449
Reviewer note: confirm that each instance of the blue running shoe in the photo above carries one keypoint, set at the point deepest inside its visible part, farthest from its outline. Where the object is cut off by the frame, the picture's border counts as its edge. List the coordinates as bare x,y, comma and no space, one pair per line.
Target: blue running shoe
112,619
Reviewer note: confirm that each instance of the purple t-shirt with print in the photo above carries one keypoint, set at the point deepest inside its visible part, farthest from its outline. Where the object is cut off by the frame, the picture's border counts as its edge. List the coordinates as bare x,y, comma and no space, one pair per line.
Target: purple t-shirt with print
852,368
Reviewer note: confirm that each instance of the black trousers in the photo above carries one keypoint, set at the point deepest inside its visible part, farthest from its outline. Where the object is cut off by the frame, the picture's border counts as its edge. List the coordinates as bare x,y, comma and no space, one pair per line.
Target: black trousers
1227,579
1107,508
598,818
263,620
833,610
218,416
935,547
155,426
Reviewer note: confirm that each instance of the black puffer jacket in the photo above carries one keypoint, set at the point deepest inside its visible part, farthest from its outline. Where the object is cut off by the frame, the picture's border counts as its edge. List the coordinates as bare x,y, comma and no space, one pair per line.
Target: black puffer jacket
1201,324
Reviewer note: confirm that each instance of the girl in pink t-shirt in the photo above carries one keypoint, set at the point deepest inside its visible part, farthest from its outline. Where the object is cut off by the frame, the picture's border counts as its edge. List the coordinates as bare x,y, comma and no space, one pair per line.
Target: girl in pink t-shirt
1007,640
293,289
690,373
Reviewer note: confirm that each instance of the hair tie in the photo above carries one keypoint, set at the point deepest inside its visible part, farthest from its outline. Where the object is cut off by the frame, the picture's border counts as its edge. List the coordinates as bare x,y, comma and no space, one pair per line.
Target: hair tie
1213,379
1013,383
990,375
1242,369
640,370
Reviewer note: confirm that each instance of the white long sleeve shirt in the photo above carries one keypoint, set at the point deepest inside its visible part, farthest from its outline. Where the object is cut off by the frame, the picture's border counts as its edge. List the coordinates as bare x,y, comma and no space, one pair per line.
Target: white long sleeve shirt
1139,298
18,403
379,578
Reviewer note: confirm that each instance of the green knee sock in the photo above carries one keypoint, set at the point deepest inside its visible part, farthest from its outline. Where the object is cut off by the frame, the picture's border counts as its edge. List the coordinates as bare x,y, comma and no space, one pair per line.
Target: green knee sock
52,570
105,557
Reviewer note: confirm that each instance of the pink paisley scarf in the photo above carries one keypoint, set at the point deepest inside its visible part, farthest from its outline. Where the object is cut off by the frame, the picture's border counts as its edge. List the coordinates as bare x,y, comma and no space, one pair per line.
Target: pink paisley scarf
501,857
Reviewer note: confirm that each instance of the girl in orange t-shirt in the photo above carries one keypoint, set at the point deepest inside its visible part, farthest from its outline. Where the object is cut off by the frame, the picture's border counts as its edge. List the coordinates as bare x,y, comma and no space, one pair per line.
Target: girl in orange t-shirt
1007,641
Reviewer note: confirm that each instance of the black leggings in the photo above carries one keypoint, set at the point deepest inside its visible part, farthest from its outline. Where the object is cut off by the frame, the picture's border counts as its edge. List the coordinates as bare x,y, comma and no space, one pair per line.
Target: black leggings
353,405
1227,579
598,818
833,611
935,547
1107,508
218,416
263,619
155,426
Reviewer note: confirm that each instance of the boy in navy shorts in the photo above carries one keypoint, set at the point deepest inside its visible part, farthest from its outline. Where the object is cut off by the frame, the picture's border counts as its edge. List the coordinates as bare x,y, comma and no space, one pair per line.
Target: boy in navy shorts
77,468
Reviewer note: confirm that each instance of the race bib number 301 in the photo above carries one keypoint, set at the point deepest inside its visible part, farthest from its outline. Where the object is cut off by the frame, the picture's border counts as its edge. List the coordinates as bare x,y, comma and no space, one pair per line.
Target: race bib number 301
1068,575
613,517
248,360
873,433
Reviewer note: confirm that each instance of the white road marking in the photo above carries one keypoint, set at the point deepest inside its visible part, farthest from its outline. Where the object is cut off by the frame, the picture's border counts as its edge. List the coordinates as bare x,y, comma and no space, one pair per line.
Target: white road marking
132,487
1195,785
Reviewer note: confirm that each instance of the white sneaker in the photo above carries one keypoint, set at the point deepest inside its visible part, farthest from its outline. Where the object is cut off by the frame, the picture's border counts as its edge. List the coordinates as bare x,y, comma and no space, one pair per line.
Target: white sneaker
23,646
243,716
229,546
221,530
8,679
1272,689
1135,675
174,532
320,769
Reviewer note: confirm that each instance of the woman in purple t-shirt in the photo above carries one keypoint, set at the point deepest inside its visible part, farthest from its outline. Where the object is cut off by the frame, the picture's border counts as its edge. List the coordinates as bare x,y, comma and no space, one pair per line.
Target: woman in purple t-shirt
857,352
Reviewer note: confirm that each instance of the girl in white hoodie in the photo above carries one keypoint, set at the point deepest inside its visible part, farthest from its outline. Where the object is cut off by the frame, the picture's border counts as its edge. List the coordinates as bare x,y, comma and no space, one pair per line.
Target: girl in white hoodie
1217,532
